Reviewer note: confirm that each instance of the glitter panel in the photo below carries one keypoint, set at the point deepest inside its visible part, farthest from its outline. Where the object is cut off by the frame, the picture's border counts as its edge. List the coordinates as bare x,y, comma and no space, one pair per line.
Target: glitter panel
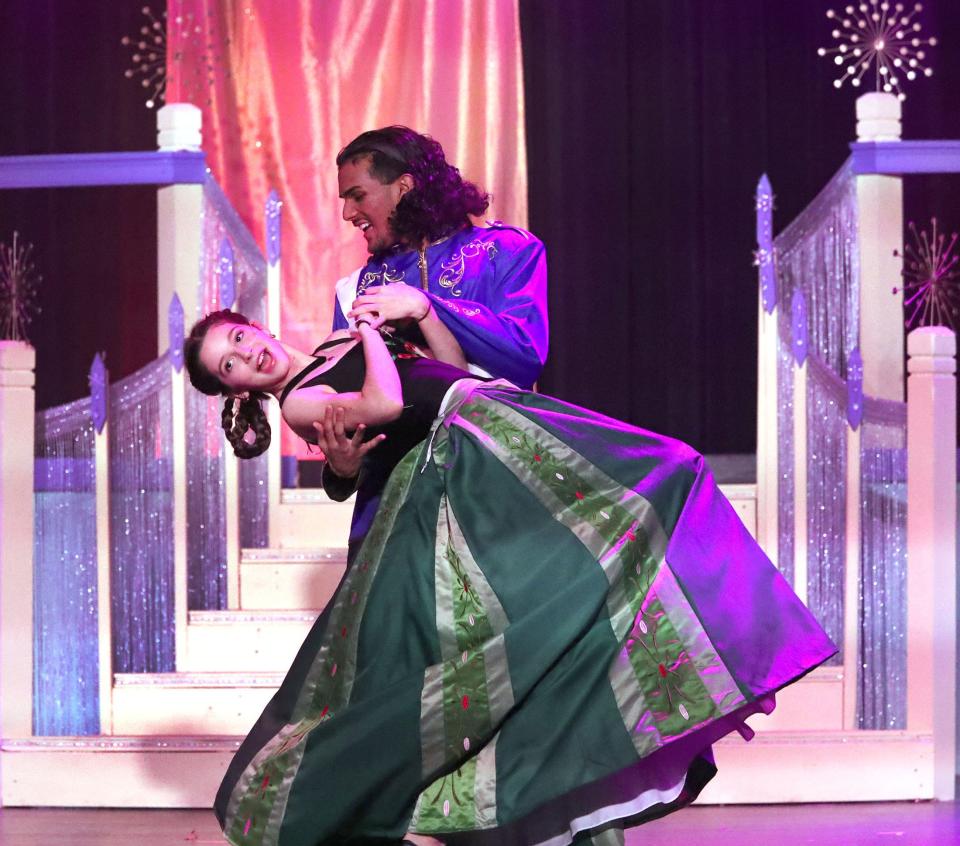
206,505
221,222
141,521
251,274
785,492
65,658
882,651
826,499
817,254
816,262
206,501
254,514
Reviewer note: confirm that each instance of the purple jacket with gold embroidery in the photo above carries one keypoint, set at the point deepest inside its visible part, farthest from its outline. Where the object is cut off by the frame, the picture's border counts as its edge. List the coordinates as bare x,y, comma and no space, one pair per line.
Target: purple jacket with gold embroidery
489,286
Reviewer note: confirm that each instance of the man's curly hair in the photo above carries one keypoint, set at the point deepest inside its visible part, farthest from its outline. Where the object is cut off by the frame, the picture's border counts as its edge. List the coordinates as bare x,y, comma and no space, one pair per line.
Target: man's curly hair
440,202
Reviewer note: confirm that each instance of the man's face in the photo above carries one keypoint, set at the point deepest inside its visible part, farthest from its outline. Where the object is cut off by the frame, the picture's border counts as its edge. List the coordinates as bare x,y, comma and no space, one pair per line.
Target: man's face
368,203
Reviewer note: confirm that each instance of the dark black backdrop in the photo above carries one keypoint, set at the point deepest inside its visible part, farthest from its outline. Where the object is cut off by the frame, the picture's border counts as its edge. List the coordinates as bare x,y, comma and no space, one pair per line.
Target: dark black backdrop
648,125
62,90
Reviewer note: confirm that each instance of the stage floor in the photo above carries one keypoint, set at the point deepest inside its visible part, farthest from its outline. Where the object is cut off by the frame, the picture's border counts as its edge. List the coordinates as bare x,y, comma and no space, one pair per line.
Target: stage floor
895,823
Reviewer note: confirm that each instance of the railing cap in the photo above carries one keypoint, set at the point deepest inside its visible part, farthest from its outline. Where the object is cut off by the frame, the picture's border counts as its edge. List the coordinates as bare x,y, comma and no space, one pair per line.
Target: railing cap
179,127
17,355
932,341
878,117
878,105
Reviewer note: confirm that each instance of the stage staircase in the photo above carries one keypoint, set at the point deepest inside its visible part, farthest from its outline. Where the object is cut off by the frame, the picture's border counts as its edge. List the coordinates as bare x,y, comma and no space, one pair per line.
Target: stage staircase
233,660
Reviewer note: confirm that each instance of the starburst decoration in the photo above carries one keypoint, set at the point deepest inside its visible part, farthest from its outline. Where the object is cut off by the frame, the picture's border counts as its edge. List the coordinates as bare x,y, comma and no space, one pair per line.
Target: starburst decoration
931,280
18,289
151,51
883,36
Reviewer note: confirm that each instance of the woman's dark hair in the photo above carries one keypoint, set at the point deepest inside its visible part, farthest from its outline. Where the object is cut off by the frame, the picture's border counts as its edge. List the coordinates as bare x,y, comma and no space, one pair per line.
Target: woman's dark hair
440,201
238,417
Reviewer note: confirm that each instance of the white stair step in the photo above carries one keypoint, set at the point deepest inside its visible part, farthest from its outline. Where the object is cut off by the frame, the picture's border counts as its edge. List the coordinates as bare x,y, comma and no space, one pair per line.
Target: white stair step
190,703
115,771
288,579
243,641
306,517
743,498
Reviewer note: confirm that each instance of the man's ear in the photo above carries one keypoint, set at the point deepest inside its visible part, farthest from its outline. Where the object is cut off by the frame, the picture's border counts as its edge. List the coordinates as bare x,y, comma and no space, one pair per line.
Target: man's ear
405,182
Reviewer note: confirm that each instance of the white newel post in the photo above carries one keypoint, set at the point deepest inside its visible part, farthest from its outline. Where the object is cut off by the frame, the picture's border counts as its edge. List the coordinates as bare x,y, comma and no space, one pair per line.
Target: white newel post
880,232
931,546
179,237
17,363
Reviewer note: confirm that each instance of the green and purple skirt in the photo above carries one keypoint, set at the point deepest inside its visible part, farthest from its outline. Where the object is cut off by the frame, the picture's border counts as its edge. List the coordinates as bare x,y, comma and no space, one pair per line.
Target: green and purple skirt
553,617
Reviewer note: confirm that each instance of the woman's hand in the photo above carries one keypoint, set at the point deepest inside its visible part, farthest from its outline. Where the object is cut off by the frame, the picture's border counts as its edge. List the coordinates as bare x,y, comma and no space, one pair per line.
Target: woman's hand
391,302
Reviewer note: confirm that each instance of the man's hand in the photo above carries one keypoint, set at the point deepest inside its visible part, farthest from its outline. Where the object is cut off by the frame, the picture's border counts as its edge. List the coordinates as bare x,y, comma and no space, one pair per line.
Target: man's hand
391,302
344,454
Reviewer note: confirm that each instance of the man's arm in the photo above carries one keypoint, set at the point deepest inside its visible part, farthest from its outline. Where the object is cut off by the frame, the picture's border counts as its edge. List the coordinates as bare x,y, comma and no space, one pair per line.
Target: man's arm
344,455
507,333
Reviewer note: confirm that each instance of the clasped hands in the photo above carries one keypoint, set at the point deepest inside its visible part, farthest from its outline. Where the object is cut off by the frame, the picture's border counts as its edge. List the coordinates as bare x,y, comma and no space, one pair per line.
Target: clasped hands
376,306
394,303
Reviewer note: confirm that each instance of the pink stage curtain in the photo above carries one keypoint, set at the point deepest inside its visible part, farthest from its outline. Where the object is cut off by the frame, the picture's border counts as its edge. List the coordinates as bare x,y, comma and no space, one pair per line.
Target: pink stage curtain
285,85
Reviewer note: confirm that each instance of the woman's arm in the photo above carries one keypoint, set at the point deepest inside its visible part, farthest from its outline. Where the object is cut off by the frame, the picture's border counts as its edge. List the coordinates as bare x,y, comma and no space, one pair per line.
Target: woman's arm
379,400
440,339
399,302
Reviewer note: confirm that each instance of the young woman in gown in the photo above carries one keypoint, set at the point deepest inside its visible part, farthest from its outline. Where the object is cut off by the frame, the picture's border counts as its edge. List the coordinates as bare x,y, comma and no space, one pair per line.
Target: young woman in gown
553,617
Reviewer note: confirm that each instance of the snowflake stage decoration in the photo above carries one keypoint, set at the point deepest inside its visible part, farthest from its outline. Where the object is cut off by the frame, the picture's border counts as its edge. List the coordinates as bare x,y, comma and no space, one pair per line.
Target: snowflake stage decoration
18,289
931,285
150,50
882,35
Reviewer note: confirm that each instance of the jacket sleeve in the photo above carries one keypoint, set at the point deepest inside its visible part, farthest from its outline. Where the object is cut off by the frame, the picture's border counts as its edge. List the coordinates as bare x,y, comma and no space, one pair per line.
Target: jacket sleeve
507,333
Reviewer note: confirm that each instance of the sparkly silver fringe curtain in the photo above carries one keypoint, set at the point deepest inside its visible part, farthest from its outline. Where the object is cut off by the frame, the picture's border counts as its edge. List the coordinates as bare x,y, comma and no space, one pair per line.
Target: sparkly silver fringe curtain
206,507
141,521
817,254
250,275
65,657
882,651
817,262
233,273
826,498
785,493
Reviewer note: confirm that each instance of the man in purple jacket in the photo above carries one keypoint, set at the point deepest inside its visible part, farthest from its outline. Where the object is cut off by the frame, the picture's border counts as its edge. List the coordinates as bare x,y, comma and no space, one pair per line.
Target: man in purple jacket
487,284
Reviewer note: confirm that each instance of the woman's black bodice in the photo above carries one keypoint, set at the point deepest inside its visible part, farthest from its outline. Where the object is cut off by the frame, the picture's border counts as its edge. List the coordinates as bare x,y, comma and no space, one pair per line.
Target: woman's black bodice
424,381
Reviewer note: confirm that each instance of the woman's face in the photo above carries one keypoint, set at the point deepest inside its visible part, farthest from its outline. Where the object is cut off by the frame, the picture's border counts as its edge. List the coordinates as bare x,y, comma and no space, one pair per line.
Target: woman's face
244,358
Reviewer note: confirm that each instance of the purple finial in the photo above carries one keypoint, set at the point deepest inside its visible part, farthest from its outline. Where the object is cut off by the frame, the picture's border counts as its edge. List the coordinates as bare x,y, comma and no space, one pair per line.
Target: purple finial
273,227
855,388
764,254
228,285
798,326
175,332
98,392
